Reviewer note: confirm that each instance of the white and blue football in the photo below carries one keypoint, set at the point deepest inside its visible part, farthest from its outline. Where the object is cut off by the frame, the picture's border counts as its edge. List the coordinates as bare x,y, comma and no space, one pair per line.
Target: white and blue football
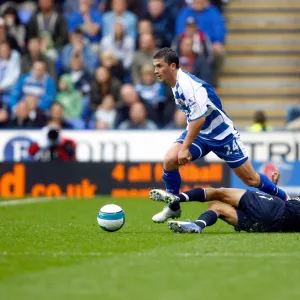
111,217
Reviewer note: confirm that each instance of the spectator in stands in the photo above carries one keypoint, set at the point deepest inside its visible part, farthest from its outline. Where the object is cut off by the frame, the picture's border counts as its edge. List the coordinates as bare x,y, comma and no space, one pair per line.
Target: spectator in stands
106,114
36,116
14,26
152,94
149,90
89,20
138,118
28,6
201,43
145,26
162,21
119,11
122,45
194,63
71,101
82,82
21,117
128,96
143,56
34,52
212,23
260,122
38,83
57,116
178,122
293,118
6,37
78,46
9,70
103,85
115,67
69,6
80,78
50,26
138,7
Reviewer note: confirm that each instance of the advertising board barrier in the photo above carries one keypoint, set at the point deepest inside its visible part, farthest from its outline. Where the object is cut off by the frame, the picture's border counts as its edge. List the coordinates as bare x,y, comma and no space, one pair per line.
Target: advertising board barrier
289,179
86,180
145,145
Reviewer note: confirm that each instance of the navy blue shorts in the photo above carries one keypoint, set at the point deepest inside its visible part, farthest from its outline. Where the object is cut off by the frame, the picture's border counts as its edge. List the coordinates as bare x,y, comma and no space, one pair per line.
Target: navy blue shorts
258,212
231,149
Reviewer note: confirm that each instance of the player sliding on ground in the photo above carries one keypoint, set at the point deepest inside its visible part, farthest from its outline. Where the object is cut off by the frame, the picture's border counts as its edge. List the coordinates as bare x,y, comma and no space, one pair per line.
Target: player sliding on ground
209,129
245,210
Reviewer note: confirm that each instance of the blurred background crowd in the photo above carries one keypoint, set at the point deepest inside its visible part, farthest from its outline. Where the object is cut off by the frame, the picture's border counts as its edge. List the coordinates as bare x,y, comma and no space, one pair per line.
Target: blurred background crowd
87,64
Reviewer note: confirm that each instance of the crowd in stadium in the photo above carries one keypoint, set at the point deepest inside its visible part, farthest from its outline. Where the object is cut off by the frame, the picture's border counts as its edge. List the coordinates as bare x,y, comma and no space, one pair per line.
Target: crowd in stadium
87,64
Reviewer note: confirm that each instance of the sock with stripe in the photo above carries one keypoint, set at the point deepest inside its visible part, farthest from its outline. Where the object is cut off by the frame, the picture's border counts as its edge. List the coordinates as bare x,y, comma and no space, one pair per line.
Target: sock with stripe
197,194
208,218
267,186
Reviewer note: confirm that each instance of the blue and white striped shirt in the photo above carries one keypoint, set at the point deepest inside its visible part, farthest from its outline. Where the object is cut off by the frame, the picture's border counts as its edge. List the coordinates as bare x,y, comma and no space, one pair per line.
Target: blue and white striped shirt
197,99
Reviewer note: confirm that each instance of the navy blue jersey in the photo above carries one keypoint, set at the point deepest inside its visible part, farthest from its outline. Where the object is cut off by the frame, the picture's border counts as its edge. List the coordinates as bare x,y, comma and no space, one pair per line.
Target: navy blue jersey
291,217
258,212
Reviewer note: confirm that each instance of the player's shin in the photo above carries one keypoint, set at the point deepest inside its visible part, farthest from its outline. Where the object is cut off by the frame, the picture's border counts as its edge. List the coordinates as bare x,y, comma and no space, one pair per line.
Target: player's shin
267,186
197,194
208,218
172,182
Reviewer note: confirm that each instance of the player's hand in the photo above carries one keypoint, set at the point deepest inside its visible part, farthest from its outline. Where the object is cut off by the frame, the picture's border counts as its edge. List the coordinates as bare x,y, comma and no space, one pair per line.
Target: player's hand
275,177
184,156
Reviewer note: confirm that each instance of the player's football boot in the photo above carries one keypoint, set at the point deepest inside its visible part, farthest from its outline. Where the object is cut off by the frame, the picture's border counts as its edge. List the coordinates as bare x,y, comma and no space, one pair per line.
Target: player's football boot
165,214
163,196
184,227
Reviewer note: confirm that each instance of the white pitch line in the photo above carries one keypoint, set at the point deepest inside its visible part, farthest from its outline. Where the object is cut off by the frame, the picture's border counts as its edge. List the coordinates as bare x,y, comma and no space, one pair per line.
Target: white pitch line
28,201
179,254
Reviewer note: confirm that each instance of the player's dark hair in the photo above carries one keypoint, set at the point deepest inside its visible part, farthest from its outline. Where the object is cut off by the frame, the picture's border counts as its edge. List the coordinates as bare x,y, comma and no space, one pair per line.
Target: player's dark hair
169,56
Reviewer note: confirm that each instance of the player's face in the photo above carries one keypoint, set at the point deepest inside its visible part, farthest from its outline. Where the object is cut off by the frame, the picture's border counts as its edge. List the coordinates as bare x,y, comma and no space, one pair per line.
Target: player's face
163,71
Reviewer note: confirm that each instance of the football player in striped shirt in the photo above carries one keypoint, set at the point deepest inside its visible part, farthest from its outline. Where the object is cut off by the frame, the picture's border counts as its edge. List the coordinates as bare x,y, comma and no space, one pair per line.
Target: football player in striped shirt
208,129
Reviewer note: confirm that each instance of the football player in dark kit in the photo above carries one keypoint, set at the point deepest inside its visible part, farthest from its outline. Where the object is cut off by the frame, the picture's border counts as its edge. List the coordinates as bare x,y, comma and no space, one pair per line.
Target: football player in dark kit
245,210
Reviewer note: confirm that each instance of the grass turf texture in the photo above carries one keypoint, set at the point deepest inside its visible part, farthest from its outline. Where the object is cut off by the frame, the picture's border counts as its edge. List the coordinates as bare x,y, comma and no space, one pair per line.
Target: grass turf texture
55,250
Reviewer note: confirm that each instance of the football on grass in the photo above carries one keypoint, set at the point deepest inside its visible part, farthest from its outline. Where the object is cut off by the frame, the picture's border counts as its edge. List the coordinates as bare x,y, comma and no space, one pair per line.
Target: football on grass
111,217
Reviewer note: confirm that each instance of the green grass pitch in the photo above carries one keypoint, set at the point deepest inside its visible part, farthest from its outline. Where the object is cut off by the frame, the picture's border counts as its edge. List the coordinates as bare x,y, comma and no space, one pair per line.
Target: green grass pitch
55,250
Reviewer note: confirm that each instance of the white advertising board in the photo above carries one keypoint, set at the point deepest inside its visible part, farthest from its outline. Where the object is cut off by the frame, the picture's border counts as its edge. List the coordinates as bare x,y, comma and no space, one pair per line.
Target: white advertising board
147,146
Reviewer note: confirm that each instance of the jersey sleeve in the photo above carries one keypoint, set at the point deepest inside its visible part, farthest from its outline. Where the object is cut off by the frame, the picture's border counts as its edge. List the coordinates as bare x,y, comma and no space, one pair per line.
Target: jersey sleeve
197,101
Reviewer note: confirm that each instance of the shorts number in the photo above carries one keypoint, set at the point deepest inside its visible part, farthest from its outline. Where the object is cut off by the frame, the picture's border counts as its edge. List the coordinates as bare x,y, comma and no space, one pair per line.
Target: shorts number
231,148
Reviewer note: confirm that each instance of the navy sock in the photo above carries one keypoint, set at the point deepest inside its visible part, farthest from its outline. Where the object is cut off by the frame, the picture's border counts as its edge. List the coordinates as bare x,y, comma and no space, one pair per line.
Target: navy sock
208,218
197,194
267,186
172,182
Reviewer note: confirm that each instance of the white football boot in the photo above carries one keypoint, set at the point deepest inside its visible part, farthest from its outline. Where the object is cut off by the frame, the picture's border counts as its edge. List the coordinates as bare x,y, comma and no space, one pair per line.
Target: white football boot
166,214
184,227
163,196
